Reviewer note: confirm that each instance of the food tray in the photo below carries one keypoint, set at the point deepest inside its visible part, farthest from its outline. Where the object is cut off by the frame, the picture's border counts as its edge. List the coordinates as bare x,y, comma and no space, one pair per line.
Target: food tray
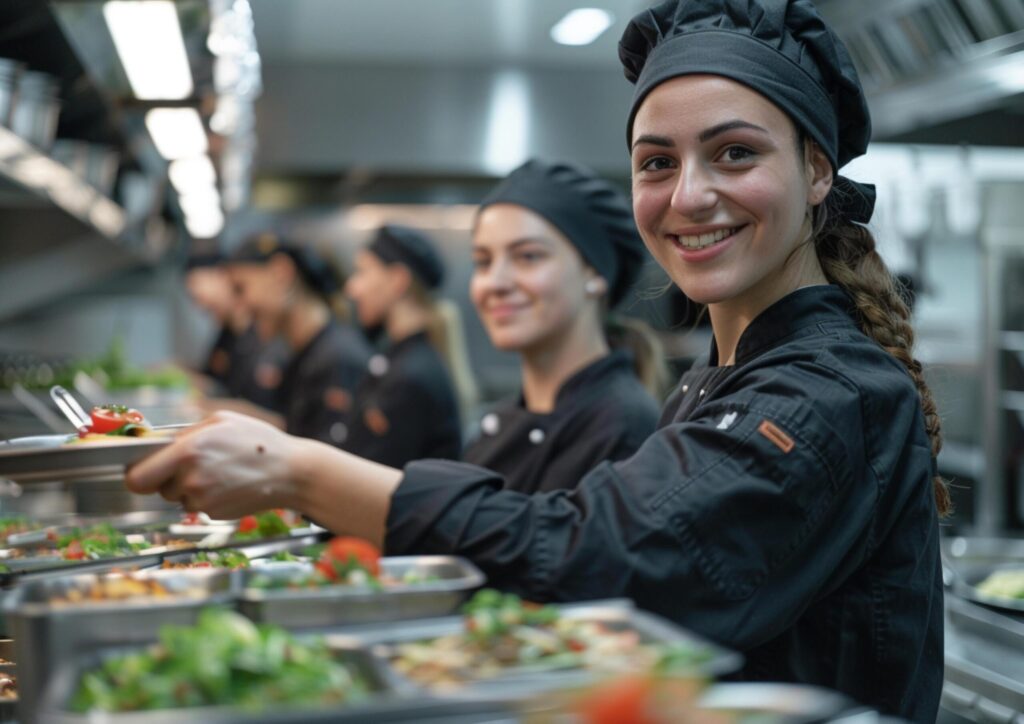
968,577
47,633
618,614
346,605
256,550
48,458
386,708
137,522
775,703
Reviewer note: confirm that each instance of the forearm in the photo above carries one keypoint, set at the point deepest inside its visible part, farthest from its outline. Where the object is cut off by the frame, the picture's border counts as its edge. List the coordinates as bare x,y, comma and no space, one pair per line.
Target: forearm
344,493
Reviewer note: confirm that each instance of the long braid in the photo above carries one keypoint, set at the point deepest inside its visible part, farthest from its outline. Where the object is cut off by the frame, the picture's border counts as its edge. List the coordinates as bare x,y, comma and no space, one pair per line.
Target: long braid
848,257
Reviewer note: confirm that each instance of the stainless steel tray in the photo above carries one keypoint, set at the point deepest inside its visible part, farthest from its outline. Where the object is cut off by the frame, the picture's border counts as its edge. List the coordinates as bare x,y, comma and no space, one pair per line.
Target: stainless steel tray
775,703
46,458
968,577
256,551
46,633
617,613
346,605
386,708
136,522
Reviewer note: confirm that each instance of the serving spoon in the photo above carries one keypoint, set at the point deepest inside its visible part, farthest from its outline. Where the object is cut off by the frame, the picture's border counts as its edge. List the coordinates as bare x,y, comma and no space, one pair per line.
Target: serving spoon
71,409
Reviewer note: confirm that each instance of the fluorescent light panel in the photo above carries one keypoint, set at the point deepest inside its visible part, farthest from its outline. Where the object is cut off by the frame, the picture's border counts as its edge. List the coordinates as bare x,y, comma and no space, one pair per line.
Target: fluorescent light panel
148,39
206,225
192,174
176,132
581,26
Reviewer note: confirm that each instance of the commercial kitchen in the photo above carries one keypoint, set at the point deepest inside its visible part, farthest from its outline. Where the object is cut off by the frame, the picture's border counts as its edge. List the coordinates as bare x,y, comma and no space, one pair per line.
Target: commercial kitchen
512,361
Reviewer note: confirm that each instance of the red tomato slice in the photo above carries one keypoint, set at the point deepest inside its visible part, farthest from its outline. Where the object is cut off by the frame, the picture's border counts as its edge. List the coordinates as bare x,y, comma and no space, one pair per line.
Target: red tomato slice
623,701
247,524
343,548
327,570
74,551
111,417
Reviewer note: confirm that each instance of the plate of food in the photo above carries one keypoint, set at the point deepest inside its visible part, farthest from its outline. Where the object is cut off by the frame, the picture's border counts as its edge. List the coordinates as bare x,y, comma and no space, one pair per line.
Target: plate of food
116,437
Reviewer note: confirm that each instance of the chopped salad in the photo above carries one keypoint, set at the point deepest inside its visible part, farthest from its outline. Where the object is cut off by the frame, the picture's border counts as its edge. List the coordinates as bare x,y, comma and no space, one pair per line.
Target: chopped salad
224,660
503,633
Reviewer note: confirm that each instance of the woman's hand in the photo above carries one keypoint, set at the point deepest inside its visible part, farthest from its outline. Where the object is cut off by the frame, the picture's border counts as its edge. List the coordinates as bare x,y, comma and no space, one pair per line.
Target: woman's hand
229,465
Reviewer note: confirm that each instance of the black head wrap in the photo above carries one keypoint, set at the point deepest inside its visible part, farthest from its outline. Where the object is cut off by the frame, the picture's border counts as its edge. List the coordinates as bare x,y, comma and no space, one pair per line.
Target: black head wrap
593,214
401,245
780,48
315,272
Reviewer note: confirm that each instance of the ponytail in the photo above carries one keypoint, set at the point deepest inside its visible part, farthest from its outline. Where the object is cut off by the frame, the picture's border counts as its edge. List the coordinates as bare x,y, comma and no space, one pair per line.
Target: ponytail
648,355
445,332
849,259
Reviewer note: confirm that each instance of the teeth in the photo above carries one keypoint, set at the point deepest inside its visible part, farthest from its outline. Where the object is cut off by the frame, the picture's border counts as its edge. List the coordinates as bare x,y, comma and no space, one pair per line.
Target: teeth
704,240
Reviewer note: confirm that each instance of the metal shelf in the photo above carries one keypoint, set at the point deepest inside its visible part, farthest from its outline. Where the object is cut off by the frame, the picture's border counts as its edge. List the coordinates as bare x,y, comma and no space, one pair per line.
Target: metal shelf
52,182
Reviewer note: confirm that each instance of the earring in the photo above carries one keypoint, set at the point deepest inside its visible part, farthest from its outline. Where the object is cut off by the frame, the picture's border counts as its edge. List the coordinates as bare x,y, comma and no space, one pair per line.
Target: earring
594,286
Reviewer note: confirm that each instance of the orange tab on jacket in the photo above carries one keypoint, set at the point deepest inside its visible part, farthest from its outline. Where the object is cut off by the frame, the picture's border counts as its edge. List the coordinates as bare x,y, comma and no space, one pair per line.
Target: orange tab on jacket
776,436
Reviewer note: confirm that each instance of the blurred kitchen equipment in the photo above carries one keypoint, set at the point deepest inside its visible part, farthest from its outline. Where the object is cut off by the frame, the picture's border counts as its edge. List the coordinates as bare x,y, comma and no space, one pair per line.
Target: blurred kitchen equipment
37,408
96,164
36,108
70,407
9,71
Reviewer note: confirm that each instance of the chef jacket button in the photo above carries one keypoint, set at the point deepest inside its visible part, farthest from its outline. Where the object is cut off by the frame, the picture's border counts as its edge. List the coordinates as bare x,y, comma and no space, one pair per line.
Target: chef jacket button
378,365
338,432
686,388
702,392
490,424
536,436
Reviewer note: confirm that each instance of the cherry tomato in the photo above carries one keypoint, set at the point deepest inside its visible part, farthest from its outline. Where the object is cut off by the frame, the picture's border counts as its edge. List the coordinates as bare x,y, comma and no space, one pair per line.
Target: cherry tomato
624,701
327,570
73,551
248,523
343,548
191,519
109,418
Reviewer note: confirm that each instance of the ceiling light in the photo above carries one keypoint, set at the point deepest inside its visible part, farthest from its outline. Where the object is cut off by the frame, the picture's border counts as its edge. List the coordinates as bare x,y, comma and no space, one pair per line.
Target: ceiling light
148,39
205,225
200,203
581,26
191,174
176,132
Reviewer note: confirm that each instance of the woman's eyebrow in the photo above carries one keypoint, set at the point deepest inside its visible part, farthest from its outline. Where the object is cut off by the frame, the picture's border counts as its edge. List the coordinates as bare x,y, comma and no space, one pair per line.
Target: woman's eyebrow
709,133
664,141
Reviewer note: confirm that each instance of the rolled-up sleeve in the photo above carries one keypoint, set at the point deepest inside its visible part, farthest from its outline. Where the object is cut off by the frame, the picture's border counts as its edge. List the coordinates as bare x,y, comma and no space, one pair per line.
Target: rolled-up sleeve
730,522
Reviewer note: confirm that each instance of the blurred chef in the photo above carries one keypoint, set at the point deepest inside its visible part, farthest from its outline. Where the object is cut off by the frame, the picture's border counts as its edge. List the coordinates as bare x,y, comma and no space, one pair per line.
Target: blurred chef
290,291
407,405
239,363
554,248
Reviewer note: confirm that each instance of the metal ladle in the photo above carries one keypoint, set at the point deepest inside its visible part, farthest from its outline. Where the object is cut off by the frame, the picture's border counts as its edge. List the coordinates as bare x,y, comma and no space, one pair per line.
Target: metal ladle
71,409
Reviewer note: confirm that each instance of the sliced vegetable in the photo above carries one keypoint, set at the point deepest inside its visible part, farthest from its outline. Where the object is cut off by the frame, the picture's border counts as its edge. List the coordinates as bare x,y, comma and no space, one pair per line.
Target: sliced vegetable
225,660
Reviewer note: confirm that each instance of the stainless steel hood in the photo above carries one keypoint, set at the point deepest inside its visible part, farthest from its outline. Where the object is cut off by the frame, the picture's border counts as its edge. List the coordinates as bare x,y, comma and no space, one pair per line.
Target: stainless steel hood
924,62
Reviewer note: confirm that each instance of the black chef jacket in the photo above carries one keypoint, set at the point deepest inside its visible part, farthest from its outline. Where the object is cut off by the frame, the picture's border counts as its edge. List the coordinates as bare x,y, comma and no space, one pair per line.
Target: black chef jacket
246,367
784,508
318,384
405,407
601,413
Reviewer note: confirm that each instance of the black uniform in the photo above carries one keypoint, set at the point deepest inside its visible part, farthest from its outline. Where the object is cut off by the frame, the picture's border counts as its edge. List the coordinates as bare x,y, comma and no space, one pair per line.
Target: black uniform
318,384
784,508
246,367
601,413
405,407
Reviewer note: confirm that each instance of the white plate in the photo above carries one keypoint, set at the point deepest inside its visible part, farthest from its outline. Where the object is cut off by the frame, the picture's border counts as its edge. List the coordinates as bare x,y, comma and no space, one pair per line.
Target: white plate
47,458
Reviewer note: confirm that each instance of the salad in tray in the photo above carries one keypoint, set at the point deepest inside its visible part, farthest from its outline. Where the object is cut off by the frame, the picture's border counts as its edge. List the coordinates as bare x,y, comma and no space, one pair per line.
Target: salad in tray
224,660
504,634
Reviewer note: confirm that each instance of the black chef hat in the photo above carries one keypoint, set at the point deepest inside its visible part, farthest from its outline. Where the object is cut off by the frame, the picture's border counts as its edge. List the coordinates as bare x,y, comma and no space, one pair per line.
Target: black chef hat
780,48
592,213
316,273
401,245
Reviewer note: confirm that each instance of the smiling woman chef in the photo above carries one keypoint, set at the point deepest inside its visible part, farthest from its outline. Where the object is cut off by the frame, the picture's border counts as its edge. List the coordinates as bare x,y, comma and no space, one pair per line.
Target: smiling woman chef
788,505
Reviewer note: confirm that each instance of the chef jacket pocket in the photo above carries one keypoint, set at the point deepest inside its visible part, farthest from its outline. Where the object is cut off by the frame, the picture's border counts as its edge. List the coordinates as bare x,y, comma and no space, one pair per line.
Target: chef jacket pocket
765,489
